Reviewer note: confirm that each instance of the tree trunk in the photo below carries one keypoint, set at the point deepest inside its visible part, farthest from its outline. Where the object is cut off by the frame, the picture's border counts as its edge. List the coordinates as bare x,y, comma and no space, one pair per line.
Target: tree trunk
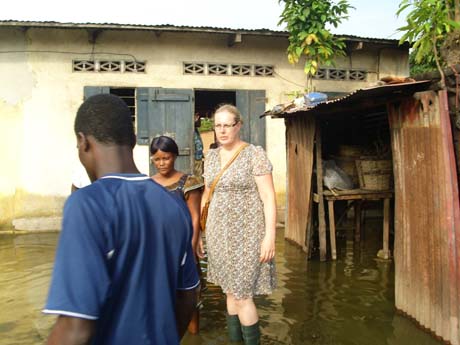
457,10
450,50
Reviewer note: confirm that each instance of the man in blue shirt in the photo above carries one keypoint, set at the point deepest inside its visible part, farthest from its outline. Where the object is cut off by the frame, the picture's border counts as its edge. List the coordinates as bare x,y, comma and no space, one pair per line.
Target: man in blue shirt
124,270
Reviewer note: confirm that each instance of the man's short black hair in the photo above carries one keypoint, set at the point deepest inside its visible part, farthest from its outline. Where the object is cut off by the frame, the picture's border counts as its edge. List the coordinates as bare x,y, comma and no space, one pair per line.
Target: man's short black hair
107,118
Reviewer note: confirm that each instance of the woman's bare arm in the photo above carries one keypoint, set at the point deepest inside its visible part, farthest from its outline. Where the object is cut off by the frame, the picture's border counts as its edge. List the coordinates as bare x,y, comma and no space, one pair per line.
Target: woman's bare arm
194,204
267,195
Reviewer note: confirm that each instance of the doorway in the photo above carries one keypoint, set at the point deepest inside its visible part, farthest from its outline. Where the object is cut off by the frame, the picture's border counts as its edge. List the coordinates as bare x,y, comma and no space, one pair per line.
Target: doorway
206,102
251,104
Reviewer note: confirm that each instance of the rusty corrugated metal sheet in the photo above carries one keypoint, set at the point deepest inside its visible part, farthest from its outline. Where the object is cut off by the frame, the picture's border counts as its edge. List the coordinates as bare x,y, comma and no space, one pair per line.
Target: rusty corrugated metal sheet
300,135
357,98
427,277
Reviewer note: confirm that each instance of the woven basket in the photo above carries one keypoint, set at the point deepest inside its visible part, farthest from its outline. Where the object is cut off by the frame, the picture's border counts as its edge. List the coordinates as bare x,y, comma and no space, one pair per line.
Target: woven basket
349,151
375,166
374,174
376,181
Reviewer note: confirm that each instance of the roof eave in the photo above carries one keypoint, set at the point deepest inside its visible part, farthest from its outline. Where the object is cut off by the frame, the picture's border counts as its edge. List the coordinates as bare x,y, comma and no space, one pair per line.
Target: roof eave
175,28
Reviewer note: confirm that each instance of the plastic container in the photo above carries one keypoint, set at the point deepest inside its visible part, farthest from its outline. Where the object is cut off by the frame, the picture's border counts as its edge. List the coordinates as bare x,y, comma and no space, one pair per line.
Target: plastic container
314,98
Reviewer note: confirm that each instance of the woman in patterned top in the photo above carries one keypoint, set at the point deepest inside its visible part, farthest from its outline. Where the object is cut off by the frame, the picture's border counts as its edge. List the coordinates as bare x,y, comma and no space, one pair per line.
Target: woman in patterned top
240,228
164,151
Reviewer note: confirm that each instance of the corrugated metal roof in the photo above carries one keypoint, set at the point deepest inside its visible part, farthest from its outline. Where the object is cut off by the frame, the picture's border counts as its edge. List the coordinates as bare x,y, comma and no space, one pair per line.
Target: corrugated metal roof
371,94
174,28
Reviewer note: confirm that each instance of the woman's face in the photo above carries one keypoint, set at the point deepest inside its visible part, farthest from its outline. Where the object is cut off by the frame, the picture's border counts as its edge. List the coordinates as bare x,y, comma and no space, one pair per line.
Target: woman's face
164,162
226,128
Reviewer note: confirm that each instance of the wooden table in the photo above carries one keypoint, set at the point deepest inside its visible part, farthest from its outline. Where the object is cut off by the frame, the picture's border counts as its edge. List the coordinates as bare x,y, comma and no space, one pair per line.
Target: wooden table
359,195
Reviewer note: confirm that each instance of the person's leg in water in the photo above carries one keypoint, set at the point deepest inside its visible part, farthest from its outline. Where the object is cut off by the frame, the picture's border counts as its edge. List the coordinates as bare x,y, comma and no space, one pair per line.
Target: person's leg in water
194,325
242,320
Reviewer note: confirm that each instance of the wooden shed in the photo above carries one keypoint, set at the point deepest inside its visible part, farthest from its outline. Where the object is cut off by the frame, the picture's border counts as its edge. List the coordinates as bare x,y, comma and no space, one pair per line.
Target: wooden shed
415,122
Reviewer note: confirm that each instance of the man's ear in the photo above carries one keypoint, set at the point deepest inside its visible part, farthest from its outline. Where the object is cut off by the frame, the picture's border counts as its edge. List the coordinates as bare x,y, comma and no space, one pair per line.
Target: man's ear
82,142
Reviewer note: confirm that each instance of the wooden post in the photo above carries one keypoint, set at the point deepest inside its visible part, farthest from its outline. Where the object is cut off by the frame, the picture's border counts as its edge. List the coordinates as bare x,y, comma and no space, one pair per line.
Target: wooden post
309,230
330,204
319,182
386,228
357,221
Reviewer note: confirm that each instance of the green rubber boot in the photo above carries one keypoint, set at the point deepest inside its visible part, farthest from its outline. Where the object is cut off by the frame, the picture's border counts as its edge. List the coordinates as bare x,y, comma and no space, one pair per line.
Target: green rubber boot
234,328
251,334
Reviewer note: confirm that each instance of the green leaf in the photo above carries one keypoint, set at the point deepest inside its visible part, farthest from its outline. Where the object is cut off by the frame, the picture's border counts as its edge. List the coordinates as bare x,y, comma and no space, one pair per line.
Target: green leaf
402,7
453,23
306,21
298,51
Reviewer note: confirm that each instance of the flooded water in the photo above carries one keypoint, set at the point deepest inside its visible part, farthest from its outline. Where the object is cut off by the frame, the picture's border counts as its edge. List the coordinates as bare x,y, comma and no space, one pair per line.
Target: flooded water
350,301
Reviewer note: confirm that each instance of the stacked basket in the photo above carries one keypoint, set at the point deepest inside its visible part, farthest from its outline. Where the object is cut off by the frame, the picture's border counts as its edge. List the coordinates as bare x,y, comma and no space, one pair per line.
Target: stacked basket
374,173
345,160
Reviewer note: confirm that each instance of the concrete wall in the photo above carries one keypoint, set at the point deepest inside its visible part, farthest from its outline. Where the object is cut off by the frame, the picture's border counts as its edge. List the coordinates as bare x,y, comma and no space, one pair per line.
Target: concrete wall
40,94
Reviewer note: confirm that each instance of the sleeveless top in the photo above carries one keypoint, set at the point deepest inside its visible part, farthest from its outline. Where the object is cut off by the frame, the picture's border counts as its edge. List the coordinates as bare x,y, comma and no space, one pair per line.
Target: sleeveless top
184,185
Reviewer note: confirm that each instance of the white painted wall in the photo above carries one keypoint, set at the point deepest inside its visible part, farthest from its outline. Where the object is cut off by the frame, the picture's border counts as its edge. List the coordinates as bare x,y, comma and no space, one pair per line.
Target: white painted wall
39,96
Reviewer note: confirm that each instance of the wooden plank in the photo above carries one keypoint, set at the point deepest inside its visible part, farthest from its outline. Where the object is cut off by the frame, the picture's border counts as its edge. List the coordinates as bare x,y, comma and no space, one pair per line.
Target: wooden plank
289,230
356,192
330,204
357,221
386,228
309,230
319,183
300,154
400,229
367,196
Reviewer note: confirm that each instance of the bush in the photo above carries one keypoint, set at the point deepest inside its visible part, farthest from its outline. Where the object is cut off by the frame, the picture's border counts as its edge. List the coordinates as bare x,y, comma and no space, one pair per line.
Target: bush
206,124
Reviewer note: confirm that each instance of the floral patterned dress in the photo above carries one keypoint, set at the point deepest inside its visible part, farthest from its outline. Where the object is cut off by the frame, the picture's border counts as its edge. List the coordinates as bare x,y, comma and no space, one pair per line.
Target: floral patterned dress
235,225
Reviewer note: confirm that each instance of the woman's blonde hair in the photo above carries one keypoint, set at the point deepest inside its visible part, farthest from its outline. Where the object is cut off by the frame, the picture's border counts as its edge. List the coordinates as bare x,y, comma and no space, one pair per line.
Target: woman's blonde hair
232,110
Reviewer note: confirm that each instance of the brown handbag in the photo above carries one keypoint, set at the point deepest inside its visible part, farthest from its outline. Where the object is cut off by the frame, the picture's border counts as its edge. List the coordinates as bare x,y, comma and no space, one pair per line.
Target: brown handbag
204,211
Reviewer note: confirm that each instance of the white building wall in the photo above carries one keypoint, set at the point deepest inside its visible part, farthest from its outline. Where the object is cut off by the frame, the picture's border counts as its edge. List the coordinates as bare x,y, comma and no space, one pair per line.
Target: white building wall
40,95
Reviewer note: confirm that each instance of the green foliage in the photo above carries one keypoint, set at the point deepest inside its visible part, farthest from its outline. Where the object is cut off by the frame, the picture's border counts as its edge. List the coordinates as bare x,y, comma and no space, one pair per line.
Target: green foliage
420,67
206,125
306,22
296,93
428,24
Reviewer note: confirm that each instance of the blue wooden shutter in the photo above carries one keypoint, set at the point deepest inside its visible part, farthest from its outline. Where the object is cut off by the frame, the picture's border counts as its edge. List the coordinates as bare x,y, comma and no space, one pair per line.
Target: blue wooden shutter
167,112
251,104
172,115
144,98
89,91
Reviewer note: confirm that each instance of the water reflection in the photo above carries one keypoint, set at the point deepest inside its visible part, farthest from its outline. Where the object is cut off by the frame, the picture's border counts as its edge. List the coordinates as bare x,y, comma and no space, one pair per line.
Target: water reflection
350,301
26,263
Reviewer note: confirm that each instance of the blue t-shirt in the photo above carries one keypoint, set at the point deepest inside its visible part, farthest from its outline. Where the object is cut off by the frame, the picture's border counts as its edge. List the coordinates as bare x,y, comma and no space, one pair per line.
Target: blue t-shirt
124,250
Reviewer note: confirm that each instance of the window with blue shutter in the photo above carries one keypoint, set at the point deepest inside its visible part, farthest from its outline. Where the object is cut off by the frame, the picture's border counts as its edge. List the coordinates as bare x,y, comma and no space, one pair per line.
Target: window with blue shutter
251,104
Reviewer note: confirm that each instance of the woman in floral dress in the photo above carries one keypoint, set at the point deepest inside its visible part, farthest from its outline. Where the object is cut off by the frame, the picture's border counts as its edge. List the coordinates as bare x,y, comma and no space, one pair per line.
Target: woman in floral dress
240,228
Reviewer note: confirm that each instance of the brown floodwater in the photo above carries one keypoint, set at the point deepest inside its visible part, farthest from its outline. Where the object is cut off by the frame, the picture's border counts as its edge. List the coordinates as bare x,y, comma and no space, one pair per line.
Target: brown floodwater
347,302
